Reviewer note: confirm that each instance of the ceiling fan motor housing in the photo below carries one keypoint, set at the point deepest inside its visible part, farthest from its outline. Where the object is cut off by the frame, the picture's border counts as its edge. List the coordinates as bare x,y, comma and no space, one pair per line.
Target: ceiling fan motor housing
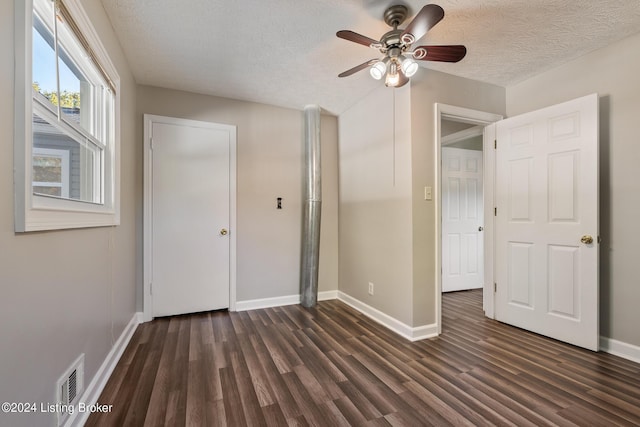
395,15
394,52
391,40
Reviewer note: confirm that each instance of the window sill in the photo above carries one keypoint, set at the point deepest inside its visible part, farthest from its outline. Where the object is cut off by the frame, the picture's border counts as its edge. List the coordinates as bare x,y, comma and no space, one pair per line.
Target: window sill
53,214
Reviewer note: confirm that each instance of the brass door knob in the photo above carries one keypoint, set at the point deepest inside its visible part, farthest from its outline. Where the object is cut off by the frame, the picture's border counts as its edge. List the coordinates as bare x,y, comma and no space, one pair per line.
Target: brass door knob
223,232
586,239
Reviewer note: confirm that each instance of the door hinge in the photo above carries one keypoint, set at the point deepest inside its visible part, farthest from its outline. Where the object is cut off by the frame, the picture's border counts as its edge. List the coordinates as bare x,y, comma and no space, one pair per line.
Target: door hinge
151,142
151,288
495,144
495,287
495,211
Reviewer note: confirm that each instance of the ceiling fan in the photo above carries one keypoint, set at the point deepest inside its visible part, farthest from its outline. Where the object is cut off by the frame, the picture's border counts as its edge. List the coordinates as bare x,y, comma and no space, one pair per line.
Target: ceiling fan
398,63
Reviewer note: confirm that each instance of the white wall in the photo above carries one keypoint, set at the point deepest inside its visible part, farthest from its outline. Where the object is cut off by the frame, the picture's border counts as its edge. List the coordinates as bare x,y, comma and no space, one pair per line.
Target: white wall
270,165
63,292
613,73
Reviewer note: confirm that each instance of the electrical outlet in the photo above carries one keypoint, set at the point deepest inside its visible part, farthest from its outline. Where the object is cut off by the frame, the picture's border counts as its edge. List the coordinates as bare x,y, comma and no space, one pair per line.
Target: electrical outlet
370,288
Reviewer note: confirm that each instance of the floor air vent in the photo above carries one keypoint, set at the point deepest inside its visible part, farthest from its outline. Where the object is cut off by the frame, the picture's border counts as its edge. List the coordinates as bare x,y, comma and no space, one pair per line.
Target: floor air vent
69,388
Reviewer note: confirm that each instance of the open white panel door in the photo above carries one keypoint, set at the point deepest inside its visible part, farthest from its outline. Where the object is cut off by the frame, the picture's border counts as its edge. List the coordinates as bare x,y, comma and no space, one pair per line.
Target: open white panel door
547,222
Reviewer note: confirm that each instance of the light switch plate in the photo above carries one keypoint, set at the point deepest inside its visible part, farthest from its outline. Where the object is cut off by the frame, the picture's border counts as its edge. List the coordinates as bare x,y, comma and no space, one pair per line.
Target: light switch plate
427,193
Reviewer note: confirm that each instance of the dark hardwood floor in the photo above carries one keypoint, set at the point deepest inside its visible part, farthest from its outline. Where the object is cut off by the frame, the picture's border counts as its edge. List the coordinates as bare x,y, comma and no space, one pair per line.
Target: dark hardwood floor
333,366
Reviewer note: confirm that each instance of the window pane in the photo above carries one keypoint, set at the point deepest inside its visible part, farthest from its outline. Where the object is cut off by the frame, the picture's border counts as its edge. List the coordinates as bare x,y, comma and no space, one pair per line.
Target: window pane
47,191
79,82
44,61
75,93
61,161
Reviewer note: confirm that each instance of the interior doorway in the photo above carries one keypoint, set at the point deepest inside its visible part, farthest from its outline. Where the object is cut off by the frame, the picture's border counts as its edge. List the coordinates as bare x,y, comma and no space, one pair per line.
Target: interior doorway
464,130
540,197
462,206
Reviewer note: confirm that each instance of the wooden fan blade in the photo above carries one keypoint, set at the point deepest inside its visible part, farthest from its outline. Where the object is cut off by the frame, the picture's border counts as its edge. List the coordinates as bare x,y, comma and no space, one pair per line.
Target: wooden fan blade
358,68
450,53
357,38
426,19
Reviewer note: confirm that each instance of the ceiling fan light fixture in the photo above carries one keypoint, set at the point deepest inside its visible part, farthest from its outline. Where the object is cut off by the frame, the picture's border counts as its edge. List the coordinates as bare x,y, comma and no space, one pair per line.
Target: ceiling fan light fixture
399,63
409,67
393,78
378,69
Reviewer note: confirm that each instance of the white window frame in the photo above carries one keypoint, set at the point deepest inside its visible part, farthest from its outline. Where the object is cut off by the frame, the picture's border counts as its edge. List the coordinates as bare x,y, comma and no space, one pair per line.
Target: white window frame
34,212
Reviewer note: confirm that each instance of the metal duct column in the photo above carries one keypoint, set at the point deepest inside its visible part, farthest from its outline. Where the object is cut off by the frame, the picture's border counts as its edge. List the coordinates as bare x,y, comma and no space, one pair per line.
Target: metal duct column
312,207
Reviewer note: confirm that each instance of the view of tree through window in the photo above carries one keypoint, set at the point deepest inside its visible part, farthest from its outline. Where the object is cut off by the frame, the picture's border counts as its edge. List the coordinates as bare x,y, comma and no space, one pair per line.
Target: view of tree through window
69,99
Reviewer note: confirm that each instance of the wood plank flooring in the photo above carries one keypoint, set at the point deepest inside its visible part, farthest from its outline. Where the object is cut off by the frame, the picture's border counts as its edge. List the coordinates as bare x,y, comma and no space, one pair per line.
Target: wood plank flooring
333,366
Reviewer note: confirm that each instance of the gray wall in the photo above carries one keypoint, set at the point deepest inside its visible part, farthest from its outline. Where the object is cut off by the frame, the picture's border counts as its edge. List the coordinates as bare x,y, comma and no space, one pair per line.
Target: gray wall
613,73
447,127
387,229
63,292
375,201
426,90
473,143
269,165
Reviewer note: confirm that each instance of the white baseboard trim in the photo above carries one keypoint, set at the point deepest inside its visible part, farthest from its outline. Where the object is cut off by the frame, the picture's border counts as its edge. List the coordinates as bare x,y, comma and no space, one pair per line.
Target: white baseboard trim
94,389
619,348
328,295
406,331
255,304
402,329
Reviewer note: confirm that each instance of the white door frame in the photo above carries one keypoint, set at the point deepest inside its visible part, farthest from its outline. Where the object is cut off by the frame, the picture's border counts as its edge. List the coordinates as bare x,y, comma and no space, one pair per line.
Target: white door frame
149,119
466,115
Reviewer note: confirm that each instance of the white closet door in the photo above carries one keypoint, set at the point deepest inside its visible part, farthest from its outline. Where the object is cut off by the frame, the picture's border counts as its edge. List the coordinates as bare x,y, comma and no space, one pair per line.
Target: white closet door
462,219
190,215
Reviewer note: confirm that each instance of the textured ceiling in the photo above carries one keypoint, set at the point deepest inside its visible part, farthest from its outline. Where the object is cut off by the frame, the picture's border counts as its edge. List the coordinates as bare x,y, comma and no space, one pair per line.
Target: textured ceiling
285,52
